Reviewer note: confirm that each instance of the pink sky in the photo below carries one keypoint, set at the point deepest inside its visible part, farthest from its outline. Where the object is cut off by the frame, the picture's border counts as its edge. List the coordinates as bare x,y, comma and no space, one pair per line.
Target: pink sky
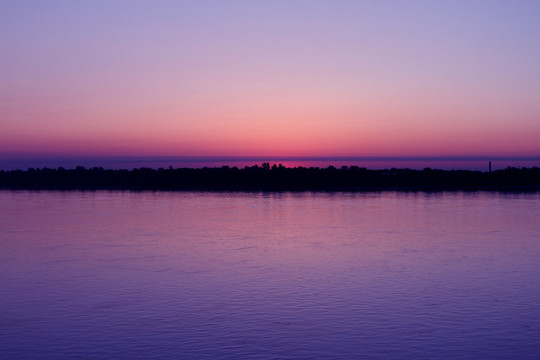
270,78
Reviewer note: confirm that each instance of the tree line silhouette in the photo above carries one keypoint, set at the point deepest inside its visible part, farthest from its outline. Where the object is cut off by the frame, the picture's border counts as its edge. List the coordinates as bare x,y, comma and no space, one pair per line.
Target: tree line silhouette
275,177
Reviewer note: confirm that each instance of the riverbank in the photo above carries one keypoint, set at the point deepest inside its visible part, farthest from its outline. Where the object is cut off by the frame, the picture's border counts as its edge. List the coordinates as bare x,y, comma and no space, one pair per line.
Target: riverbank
271,178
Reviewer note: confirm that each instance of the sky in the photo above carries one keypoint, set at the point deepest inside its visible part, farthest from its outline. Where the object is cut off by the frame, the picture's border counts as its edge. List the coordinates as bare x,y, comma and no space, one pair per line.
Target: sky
270,78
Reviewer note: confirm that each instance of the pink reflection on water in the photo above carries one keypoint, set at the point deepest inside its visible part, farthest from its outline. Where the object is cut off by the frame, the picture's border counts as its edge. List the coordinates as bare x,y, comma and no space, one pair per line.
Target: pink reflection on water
274,273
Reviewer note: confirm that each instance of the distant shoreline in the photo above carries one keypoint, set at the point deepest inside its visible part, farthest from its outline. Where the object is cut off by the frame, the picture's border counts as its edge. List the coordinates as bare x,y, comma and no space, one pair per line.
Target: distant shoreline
271,178
474,163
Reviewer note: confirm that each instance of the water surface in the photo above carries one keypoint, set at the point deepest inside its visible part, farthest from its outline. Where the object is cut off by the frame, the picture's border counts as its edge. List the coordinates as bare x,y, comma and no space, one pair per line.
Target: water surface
195,275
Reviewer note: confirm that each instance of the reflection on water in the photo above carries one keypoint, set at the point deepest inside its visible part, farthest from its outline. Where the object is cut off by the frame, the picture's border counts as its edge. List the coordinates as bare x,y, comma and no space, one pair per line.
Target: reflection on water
105,275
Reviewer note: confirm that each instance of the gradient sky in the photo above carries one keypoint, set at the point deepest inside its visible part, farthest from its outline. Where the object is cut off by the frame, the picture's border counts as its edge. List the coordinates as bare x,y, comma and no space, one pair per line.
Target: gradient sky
270,78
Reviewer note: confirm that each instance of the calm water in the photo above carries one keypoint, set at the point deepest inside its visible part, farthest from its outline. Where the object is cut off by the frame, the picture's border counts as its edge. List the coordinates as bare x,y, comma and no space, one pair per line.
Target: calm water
111,275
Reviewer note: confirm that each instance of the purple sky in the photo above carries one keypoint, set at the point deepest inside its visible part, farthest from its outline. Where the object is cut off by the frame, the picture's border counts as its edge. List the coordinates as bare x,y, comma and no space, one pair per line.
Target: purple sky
269,78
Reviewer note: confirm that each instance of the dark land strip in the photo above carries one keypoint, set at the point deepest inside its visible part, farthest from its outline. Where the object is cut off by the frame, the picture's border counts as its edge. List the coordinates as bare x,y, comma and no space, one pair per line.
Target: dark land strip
271,178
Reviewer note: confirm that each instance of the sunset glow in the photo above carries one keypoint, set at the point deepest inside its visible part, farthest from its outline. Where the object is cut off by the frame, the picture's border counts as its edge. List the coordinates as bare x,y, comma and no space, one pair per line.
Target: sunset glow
270,78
